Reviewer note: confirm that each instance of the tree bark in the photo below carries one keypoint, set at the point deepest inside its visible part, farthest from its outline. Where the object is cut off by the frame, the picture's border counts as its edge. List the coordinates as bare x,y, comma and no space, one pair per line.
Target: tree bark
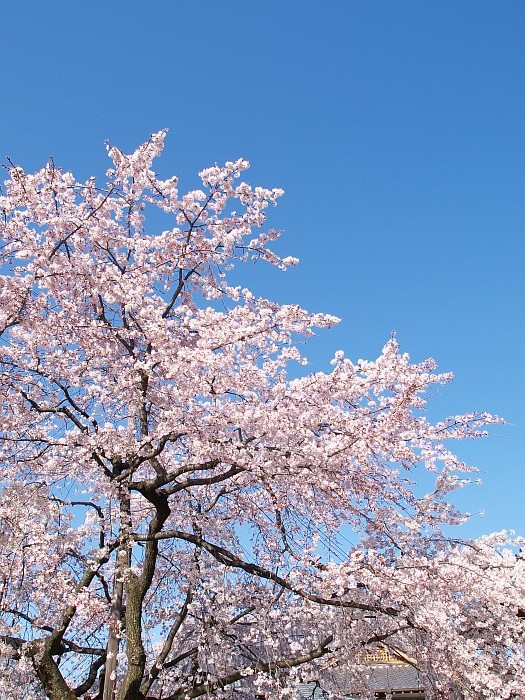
122,568
53,683
110,673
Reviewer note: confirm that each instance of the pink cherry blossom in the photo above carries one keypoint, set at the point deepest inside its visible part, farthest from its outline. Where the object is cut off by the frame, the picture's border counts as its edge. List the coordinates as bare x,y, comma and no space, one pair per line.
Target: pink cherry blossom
181,514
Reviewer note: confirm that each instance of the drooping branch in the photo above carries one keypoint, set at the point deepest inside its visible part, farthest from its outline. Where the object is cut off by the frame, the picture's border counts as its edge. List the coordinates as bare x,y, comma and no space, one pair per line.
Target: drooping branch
230,559
168,643
69,612
260,667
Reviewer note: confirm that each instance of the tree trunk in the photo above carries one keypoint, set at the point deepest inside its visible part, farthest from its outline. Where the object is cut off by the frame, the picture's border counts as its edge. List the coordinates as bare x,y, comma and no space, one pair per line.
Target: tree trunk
110,673
122,568
53,683
136,657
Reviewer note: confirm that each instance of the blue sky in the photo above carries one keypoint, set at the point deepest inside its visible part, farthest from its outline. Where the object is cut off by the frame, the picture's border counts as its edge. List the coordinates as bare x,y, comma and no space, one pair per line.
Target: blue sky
396,129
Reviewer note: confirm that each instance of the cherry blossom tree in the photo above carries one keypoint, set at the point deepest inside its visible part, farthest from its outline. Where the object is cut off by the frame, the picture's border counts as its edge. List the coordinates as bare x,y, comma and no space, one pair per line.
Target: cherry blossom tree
183,513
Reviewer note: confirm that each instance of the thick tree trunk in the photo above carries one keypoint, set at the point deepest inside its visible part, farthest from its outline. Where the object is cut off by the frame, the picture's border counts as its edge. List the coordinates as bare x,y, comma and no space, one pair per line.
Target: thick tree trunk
136,588
136,656
53,683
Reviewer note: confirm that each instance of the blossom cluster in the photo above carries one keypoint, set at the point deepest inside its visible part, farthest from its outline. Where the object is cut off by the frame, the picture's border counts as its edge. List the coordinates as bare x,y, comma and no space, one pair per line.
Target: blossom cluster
180,514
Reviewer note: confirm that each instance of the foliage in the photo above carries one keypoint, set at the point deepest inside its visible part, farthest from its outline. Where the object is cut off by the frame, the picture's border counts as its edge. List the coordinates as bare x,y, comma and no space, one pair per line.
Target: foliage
169,486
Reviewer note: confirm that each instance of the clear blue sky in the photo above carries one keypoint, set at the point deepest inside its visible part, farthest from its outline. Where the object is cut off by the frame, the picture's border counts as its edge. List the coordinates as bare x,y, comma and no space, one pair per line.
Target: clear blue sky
396,129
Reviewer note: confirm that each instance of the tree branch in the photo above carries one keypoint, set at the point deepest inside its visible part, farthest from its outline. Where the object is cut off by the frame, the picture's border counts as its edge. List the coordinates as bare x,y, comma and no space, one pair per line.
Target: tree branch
230,559
259,667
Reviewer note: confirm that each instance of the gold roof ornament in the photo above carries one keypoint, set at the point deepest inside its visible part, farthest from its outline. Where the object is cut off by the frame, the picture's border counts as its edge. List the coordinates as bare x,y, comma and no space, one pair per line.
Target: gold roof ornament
383,655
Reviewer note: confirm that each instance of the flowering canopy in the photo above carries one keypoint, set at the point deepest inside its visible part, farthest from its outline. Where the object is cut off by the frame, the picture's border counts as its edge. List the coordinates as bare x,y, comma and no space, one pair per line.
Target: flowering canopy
168,490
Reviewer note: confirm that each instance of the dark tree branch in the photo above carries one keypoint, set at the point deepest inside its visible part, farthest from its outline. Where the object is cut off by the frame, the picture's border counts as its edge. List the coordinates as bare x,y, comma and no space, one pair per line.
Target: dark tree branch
230,559
166,648
96,665
260,667
77,228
